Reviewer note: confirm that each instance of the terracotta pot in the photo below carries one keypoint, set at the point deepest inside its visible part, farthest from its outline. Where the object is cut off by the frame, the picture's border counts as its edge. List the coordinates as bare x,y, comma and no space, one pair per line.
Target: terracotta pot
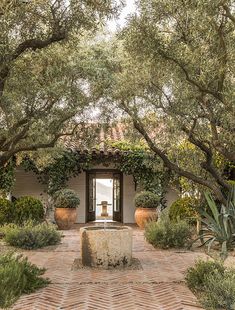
144,215
65,217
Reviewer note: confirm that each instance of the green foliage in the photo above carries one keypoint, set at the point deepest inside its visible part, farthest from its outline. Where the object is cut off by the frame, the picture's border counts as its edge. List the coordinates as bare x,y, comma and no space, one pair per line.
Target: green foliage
66,198
184,42
134,160
7,177
28,208
58,173
6,211
213,283
17,277
146,199
31,236
166,234
219,226
147,170
184,209
39,70
197,275
220,291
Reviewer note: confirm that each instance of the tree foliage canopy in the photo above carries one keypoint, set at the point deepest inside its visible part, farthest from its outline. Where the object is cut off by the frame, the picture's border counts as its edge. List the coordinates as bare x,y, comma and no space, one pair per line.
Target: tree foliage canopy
175,79
42,84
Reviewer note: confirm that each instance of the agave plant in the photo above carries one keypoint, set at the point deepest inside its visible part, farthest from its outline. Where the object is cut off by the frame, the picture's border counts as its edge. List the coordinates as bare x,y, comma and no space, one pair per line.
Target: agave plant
219,226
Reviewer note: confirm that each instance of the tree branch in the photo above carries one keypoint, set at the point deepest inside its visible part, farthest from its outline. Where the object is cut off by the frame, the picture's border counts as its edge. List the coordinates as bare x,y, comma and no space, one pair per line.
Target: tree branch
167,162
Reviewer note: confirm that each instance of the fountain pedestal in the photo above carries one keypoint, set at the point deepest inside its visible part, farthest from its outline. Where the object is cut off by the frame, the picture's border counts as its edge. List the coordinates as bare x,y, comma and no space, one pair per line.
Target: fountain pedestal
106,247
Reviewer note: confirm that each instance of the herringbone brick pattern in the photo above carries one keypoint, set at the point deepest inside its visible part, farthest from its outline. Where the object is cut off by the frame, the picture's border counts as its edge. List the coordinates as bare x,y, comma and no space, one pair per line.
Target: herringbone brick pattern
159,285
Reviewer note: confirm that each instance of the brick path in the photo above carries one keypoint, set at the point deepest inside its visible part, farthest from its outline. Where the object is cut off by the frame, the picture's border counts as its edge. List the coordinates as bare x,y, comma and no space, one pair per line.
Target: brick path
159,285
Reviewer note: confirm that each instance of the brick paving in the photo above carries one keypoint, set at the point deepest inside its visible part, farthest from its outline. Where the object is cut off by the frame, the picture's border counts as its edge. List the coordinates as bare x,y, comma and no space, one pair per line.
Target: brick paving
158,285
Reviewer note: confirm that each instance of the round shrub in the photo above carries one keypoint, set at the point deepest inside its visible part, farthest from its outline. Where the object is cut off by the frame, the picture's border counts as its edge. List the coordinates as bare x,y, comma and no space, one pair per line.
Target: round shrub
184,209
146,199
196,276
165,234
6,211
28,208
66,198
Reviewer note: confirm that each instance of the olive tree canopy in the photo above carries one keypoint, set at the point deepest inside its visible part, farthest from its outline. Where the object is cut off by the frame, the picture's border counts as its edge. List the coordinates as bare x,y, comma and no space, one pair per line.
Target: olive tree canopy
173,74
41,89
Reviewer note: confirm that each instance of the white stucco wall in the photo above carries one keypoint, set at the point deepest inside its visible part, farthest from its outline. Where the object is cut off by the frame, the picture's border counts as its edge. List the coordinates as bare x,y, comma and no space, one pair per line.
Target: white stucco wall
78,184
27,184
128,199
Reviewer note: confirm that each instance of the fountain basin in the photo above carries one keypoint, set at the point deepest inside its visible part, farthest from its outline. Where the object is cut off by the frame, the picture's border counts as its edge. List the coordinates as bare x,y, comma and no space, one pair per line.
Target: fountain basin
109,247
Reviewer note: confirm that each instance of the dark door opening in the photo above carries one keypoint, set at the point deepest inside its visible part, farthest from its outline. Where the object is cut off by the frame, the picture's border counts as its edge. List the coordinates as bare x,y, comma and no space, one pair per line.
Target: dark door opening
104,196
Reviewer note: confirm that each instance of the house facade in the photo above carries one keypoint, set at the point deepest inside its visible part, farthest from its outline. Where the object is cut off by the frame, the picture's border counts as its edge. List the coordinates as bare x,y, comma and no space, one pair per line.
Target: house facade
93,186
99,183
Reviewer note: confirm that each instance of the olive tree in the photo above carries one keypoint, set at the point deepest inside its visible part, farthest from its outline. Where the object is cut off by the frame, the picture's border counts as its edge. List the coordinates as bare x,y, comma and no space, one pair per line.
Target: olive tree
41,90
171,70
182,70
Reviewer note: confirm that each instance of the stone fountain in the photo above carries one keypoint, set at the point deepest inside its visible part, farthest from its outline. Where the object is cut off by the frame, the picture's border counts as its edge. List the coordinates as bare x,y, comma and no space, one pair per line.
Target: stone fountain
106,247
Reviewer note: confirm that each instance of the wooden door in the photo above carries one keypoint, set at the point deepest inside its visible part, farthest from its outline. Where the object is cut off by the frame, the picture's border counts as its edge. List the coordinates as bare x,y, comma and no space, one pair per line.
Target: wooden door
91,197
117,201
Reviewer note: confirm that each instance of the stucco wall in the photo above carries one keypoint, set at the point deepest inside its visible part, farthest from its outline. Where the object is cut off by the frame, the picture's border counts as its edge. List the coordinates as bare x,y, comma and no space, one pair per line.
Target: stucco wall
128,199
27,184
78,184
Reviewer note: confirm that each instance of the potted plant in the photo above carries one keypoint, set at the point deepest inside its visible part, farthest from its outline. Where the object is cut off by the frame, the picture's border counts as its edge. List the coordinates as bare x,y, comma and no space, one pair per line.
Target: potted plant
66,202
146,204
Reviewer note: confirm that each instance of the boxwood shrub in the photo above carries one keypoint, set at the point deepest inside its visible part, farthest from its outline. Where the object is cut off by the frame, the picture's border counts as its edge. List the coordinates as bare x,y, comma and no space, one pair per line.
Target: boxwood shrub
66,198
146,199
28,208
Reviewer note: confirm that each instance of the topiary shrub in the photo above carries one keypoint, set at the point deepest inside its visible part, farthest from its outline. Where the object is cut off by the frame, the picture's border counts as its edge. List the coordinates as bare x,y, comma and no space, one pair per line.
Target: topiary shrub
166,234
66,198
146,199
28,208
31,236
184,209
17,277
6,211
196,276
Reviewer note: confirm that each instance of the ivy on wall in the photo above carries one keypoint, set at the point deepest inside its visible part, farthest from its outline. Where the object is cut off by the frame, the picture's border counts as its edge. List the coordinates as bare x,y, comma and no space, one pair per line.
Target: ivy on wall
7,178
147,170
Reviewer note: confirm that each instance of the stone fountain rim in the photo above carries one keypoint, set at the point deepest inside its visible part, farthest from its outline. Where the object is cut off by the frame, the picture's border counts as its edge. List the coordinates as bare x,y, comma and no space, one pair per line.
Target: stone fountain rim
109,228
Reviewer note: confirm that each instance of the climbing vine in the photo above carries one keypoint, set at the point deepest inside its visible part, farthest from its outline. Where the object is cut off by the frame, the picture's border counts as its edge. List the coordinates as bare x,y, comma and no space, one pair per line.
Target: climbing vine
7,178
147,170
